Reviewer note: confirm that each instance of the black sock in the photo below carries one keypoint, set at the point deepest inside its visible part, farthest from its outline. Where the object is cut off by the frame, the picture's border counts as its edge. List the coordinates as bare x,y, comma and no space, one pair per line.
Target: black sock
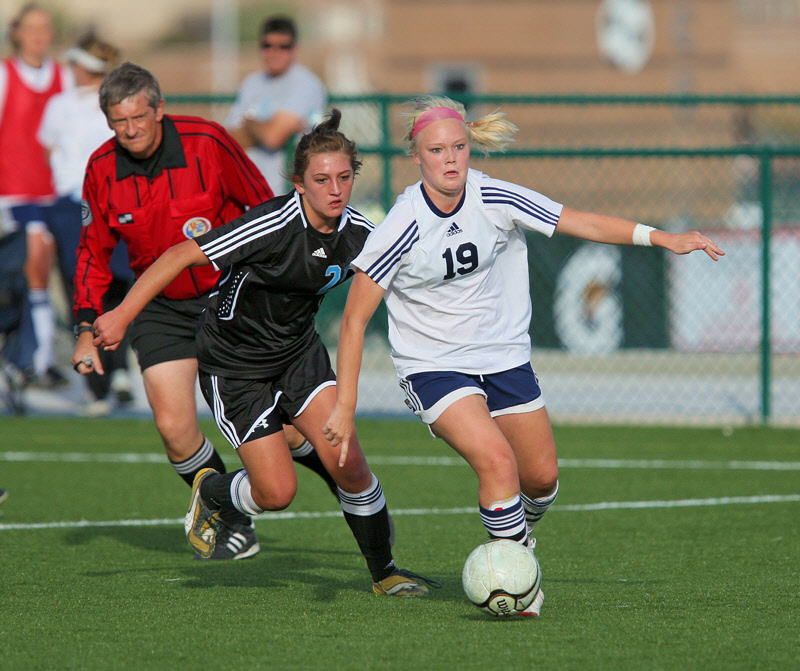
308,457
216,491
205,457
368,518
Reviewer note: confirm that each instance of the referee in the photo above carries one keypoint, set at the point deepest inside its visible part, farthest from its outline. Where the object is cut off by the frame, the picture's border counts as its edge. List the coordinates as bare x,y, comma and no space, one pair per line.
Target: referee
160,180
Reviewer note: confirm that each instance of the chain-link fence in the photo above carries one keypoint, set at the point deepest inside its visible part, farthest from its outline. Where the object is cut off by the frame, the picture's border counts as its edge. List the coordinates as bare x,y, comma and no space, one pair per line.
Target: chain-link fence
630,334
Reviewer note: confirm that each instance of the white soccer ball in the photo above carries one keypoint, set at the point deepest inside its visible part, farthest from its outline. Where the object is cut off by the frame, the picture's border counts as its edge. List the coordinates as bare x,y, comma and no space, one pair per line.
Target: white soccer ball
501,577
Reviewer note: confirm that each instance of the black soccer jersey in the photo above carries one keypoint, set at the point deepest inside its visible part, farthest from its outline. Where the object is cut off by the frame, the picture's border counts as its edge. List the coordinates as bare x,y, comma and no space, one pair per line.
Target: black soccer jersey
276,268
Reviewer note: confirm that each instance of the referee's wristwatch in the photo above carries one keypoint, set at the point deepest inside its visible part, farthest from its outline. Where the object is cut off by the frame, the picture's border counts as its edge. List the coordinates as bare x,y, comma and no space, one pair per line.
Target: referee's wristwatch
82,328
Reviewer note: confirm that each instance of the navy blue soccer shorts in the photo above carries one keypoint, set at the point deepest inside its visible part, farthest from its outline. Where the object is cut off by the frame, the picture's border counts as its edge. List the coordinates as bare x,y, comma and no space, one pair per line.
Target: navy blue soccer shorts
509,392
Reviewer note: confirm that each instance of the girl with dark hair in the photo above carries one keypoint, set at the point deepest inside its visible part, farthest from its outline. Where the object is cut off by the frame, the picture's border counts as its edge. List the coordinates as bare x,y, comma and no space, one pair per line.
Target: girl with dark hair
261,360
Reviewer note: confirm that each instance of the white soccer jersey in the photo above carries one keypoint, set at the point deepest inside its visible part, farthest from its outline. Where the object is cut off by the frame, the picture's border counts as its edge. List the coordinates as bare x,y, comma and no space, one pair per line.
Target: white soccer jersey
73,126
457,288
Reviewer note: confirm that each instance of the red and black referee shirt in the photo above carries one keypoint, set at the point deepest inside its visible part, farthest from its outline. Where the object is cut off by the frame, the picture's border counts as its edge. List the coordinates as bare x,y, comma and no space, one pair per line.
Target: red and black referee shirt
199,178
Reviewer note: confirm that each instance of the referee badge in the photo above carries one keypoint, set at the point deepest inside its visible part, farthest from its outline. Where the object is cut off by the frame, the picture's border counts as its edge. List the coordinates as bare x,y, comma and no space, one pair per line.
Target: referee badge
196,226
86,213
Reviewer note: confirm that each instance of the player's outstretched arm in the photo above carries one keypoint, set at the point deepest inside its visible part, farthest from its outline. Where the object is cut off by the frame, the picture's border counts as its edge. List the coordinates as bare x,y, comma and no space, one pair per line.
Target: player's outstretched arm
618,231
362,301
109,328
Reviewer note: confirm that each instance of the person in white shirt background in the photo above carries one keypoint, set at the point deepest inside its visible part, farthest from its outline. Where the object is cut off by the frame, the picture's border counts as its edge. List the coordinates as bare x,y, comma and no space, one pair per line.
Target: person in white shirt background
28,79
275,105
73,126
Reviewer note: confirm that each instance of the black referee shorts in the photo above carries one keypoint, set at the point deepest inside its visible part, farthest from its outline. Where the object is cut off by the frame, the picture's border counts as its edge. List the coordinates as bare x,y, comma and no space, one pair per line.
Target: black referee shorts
165,330
249,409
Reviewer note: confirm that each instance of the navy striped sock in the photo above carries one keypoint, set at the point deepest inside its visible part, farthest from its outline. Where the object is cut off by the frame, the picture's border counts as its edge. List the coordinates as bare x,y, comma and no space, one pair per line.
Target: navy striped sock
536,508
506,519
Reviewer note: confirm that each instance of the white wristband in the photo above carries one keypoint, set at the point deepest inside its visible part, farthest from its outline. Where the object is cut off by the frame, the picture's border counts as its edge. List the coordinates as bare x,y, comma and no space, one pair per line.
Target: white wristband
641,235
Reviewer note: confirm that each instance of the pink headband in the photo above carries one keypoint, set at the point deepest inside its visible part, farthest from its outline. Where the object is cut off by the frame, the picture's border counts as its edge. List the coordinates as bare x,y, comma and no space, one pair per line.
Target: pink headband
434,114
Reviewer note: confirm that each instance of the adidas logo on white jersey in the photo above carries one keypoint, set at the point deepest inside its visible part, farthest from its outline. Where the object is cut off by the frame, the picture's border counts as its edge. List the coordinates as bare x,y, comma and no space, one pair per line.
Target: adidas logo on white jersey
453,230
320,253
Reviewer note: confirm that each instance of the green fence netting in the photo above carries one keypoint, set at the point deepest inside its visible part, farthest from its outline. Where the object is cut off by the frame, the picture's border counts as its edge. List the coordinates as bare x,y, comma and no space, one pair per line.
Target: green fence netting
628,334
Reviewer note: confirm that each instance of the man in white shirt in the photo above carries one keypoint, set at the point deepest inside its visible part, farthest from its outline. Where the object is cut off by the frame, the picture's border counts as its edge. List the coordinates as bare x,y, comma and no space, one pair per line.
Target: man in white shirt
274,105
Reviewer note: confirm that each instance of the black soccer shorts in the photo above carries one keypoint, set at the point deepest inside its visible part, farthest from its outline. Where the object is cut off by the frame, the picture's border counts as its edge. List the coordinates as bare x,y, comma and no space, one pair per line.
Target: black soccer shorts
249,409
165,330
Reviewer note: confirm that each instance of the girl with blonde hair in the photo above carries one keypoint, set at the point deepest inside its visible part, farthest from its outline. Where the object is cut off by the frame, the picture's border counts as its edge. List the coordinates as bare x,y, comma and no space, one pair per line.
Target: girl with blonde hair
450,261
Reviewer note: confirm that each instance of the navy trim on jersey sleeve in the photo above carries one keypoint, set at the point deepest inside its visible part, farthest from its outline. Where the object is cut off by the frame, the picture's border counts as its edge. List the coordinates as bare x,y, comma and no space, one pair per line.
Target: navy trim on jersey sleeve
391,257
496,195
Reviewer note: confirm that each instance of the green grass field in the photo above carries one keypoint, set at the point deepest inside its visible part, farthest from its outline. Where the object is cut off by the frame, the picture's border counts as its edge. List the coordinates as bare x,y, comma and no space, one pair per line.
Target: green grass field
667,548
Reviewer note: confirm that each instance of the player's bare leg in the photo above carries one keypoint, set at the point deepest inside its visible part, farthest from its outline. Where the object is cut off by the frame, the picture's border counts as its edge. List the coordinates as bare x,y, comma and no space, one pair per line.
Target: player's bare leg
355,475
270,471
531,438
469,429
170,389
303,453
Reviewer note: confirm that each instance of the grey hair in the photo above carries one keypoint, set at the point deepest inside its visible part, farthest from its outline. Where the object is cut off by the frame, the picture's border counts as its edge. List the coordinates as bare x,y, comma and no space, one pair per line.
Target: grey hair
492,132
125,81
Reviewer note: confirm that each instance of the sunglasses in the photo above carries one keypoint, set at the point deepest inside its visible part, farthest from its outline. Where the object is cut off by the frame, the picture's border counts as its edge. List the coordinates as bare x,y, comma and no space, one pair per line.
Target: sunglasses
272,45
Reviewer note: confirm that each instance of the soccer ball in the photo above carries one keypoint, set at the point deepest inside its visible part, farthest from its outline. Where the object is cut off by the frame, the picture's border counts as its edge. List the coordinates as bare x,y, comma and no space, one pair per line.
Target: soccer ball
501,577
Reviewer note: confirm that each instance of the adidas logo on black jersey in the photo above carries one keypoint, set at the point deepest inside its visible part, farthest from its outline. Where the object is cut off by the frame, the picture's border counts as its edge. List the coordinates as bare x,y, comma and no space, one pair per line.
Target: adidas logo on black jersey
453,230
320,253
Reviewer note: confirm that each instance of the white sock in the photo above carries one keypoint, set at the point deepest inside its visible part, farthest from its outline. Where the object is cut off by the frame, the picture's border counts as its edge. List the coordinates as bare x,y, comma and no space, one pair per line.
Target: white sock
363,504
242,495
44,326
302,450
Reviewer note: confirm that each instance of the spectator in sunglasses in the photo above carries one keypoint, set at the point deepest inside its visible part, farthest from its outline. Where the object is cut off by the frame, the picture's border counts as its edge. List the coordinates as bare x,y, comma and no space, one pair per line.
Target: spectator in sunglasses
275,105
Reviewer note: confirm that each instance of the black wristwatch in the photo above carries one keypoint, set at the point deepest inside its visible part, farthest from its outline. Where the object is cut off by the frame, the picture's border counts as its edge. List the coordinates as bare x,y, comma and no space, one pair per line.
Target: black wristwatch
82,328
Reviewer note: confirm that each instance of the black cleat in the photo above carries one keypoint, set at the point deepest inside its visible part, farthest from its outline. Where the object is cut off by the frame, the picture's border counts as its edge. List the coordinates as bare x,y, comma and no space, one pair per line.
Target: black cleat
234,541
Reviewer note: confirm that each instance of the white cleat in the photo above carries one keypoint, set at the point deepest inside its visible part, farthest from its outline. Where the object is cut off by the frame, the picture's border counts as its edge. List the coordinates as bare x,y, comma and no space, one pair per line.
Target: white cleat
536,605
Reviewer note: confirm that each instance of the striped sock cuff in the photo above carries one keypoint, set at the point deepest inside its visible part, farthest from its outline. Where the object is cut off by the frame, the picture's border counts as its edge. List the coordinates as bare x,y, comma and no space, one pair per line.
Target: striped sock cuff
242,495
368,502
505,519
38,297
302,451
536,508
197,460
